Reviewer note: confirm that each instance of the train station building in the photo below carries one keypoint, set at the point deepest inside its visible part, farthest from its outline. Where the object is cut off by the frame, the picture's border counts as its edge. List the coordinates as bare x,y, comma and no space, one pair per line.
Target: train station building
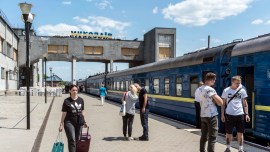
158,44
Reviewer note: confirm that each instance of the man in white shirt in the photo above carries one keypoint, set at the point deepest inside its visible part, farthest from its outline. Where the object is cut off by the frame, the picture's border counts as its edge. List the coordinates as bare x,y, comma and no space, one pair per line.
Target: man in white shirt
236,111
208,98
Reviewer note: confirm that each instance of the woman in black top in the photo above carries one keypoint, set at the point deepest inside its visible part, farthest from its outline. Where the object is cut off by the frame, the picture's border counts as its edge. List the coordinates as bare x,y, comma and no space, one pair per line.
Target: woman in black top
70,109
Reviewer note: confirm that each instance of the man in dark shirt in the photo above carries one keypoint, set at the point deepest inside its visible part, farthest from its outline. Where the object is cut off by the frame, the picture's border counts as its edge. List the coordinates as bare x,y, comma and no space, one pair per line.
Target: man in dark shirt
144,110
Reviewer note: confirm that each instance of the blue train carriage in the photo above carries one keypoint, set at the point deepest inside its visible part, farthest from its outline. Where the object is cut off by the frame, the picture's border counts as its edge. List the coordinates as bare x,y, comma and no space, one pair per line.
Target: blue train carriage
172,83
93,83
251,60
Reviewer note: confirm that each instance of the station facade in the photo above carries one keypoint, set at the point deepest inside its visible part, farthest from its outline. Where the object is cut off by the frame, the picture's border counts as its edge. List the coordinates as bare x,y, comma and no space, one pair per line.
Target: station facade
8,55
158,44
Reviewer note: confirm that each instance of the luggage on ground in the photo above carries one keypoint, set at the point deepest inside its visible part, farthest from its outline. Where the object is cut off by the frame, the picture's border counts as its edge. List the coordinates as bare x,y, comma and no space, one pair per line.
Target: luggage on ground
83,144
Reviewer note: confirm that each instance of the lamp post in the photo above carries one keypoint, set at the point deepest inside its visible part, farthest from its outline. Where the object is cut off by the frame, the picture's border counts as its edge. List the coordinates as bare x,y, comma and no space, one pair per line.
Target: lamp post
51,76
45,59
28,19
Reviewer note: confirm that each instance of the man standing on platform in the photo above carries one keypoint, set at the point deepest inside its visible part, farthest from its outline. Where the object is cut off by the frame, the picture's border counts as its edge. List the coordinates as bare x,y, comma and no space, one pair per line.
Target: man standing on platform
209,100
236,111
144,110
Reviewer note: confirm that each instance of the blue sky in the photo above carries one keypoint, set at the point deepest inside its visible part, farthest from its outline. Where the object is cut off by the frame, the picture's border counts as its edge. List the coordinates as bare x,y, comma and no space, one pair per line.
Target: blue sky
194,20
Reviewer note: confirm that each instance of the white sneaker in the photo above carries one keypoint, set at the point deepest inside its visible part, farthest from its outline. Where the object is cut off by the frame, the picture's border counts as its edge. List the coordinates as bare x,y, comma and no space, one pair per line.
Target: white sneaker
130,138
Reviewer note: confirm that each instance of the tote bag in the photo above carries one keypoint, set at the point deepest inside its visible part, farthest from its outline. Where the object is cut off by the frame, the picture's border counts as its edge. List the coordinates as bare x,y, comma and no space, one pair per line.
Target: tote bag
123,106
58,145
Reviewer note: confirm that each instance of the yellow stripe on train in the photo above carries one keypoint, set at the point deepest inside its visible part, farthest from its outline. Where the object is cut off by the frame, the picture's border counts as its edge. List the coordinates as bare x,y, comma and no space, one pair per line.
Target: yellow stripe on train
191,100
262,108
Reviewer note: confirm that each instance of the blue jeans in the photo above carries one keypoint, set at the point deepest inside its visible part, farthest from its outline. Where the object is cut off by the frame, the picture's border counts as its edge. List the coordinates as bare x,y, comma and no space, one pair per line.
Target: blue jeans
144,122
73,134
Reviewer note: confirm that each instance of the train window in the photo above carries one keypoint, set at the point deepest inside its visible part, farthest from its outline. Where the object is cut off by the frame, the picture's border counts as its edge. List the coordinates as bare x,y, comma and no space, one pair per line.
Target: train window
117,85
179,86
156,86
146,84
127,86
111,85
121,85
167,86
208,59
194,81
131,81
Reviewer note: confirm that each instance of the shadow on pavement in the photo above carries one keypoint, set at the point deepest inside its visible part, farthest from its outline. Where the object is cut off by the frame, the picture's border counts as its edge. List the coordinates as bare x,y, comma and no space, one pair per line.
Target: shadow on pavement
113,138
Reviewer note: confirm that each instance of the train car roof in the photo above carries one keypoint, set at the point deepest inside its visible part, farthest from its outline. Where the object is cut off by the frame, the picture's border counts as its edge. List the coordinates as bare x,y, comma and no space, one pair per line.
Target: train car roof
192,58
257,44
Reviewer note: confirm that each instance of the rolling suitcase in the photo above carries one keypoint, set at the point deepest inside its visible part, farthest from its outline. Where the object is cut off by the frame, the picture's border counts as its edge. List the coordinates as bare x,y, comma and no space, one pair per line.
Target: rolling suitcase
83,145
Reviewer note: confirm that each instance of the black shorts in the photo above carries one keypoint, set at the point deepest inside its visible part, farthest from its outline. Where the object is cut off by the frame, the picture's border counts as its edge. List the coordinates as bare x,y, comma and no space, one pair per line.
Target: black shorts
234,121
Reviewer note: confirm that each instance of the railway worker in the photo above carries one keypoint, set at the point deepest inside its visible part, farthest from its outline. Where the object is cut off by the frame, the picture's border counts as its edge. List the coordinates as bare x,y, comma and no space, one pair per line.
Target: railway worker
130,98
102,93
198,108
208,98
71,107
144,110
236,111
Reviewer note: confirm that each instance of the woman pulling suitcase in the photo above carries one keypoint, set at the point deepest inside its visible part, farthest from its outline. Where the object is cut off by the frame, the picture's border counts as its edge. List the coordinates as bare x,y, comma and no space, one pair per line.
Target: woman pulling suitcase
73,117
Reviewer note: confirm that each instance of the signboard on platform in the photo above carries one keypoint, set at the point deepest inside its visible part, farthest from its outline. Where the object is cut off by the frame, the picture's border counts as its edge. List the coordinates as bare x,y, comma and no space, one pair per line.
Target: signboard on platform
90,35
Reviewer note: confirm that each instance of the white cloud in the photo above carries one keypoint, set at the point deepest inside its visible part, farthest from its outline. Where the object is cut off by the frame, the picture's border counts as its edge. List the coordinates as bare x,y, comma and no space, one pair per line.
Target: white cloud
91,24
58,29
105,22
104,4
257,21
155,10
267,22
201,12
81,20
66,2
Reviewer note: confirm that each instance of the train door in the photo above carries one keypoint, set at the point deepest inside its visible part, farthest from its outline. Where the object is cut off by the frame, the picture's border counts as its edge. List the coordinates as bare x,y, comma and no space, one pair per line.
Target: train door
247,74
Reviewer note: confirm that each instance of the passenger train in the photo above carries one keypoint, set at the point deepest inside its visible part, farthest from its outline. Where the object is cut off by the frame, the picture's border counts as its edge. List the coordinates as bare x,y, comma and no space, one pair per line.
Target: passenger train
171,83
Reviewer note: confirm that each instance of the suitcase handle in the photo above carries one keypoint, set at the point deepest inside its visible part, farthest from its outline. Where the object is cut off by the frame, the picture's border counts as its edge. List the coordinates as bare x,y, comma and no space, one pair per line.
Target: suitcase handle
87,130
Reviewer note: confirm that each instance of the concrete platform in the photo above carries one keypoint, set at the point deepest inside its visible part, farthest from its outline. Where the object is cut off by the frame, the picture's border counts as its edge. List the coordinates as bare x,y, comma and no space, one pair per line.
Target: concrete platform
105,128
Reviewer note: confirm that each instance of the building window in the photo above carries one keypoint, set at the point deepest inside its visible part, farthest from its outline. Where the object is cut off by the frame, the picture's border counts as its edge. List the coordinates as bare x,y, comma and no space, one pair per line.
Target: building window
167,86
129,51
156,86
15,52
146,84
2,73
1,44
164,52
93,50
8,50
194,81
57,49
10,75
165,41
179,86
